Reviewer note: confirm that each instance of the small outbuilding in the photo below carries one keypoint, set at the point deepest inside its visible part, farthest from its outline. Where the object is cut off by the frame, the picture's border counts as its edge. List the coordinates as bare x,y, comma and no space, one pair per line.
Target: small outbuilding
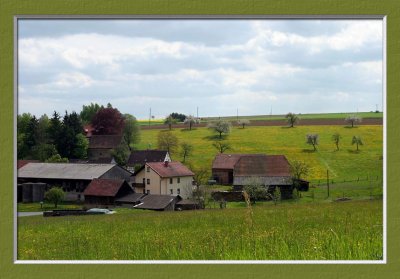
106,191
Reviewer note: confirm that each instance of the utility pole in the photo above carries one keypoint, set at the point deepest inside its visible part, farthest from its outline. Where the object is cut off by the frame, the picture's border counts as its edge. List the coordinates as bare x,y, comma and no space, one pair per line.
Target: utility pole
149,116
327,181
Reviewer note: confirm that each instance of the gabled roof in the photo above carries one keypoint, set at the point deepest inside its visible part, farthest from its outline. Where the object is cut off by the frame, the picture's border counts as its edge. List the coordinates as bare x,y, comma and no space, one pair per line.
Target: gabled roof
104,187
21,163
262,165
144,156
64,170
105,141
156,202
172,169
228,161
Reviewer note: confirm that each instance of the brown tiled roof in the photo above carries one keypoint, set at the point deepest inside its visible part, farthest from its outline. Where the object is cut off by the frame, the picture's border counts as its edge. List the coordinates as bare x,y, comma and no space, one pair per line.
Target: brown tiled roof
228,161
262,165
88,129
144,156
104,187
105,141
21,163
156,202
173,169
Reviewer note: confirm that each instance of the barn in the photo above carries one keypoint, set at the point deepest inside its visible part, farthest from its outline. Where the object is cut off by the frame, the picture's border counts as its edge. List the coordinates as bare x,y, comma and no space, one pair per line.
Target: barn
73,178
106,191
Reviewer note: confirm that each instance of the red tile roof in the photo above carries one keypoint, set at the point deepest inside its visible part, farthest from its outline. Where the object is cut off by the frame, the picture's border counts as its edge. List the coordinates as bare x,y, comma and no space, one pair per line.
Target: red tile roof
105,141
228,161
21,163
173,169
104,187
262,165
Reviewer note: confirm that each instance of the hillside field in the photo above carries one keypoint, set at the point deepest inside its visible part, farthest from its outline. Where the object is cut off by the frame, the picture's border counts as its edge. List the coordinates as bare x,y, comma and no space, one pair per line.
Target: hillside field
313,231
345,164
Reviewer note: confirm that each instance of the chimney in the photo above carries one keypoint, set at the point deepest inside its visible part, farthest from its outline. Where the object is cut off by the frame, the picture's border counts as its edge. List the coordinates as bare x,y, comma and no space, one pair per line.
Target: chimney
165,163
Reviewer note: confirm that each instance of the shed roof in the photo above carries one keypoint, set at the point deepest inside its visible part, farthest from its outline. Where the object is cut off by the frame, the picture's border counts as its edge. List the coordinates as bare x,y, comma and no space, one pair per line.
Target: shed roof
228,161
143,156
172,169
104,187
21,163
131,198
105,141
262,165
64,170
156,202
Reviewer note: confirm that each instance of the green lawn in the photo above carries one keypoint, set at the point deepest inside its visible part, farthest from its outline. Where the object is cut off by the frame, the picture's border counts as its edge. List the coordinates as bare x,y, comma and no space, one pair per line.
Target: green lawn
32,207
345,164
286,231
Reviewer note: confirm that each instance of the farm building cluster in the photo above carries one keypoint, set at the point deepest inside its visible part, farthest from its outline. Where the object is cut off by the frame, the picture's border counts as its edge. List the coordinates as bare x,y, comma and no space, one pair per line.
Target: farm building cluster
150,179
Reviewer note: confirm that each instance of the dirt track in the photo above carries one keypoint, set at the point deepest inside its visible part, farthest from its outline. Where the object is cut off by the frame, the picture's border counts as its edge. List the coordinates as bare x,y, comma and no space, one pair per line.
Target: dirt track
304,122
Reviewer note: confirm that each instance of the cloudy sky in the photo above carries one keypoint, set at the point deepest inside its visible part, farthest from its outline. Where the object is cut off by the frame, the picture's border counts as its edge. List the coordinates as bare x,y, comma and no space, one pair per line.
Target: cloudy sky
219,66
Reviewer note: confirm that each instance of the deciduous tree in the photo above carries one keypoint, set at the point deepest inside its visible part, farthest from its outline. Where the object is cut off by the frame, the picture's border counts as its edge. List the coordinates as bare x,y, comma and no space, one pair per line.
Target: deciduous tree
336,139
243,122
313,139
108,121
170,121
191,120
220,126
166,140
88,111
131,131
222,146
292,119
55,195
353,119
186,150
357,141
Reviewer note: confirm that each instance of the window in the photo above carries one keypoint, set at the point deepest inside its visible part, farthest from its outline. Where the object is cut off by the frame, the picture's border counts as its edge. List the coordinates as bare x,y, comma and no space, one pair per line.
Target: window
144,180
148,192
178,191
171,180
171,191
179,180
148,169
148,181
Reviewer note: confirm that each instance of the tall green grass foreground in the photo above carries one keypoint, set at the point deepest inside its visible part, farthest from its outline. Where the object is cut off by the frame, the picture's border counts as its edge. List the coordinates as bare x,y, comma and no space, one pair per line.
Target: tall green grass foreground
332,231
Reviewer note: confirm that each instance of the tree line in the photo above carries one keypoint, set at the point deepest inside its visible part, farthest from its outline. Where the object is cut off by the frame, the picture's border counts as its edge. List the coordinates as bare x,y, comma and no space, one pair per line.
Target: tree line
61,138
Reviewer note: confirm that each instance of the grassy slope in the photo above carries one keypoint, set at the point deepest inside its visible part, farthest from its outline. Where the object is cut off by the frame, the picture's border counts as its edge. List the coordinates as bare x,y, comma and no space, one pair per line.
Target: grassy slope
343,164
324,231
341,115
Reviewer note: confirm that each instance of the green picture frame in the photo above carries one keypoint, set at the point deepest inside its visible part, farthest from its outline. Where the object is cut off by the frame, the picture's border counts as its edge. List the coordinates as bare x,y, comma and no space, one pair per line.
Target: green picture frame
9,10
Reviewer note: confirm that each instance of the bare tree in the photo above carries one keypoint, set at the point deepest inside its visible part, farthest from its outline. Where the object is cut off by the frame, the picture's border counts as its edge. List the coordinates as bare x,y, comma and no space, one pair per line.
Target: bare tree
357,140
299,169
170,121
167,141
292,119
186,150
336,139
313,139
353,119
220,126
243,122
222,146
191,120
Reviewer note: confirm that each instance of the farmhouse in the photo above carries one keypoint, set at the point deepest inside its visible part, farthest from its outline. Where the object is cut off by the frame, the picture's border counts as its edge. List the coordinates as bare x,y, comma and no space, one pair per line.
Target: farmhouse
73,178
101,146
165,178
106,191
139,158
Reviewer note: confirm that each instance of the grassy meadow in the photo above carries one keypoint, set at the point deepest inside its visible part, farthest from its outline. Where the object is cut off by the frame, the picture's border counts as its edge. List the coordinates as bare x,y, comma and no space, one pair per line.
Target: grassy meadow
313,231
345,164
